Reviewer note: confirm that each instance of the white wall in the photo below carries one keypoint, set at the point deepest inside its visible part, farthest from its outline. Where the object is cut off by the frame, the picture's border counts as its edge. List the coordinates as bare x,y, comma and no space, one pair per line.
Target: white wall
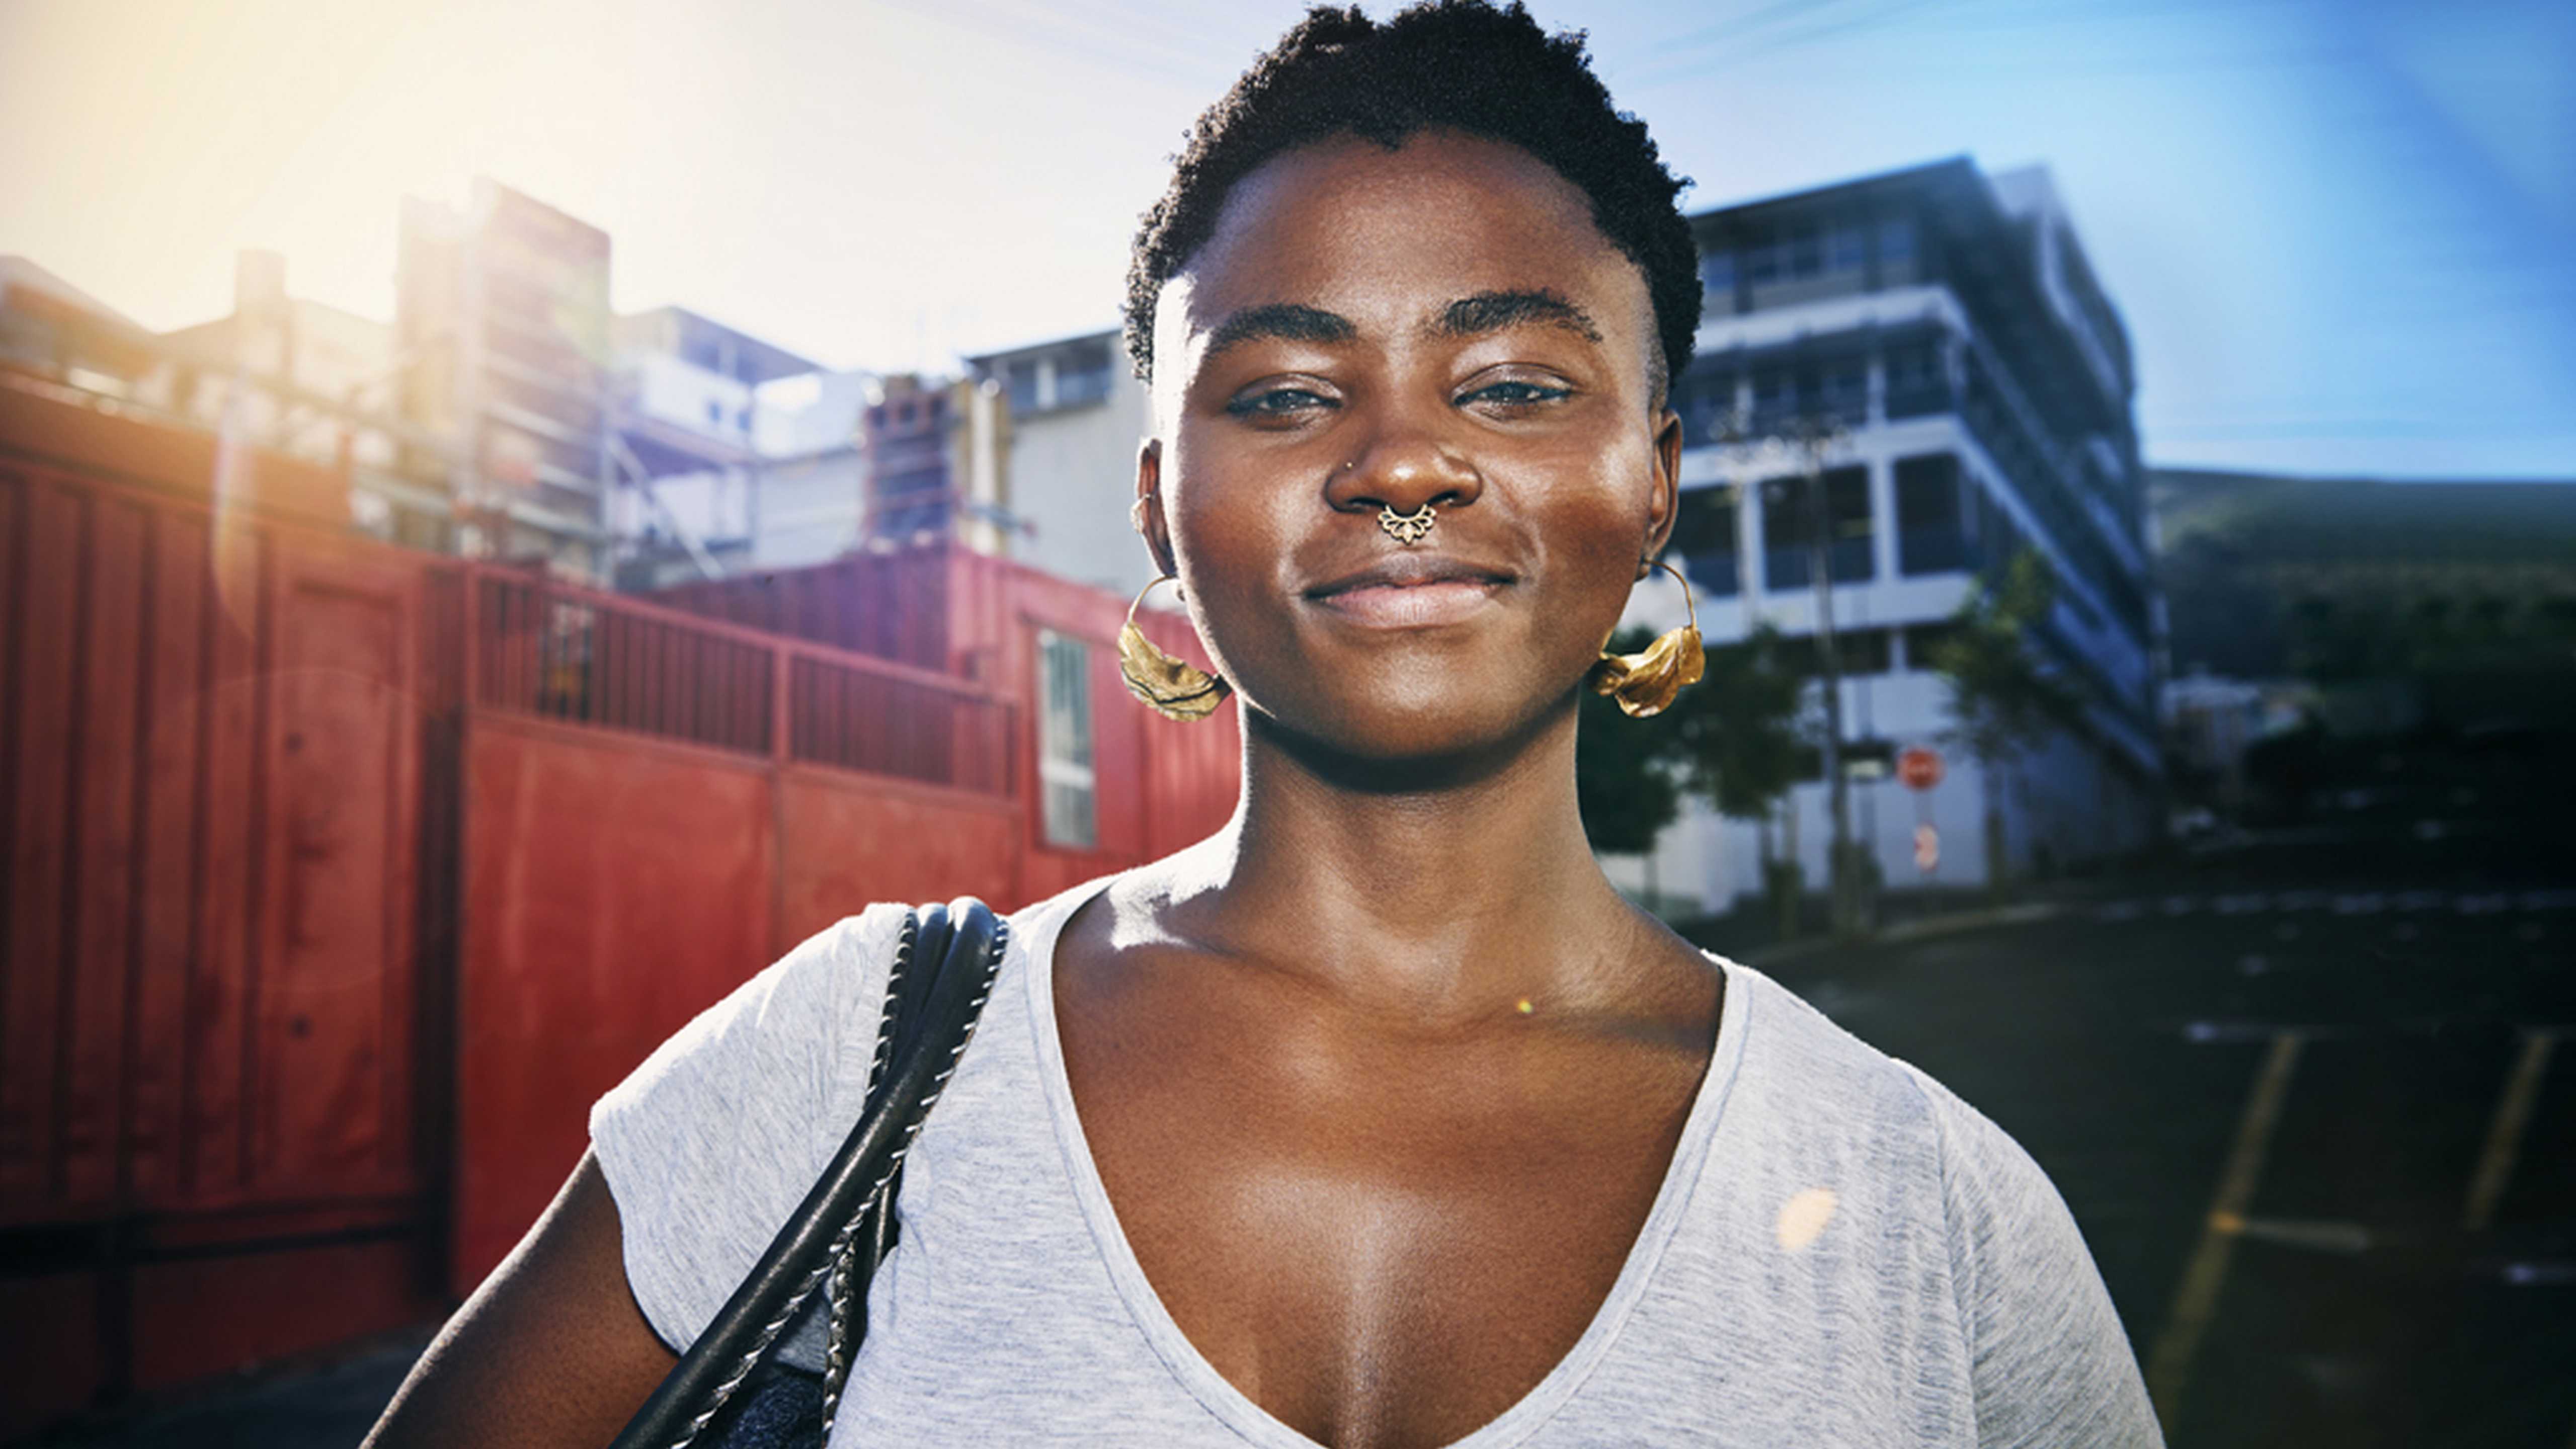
662,386
1073,476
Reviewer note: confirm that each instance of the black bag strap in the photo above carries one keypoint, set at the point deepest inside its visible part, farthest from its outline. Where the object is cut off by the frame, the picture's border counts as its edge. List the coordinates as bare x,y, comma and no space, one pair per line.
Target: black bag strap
944,965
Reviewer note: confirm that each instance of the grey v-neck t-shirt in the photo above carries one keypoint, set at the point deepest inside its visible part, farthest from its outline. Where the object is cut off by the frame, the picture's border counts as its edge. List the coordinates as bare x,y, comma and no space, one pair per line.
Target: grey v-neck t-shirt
1842,1252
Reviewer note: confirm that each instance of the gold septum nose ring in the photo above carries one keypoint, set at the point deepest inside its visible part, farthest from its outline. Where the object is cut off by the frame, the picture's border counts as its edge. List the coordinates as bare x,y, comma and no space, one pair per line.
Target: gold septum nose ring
1406,528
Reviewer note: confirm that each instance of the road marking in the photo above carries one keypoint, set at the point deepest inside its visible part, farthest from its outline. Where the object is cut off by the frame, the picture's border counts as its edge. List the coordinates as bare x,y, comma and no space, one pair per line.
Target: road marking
2315,1235
2338,902
2504,1132
2196,1301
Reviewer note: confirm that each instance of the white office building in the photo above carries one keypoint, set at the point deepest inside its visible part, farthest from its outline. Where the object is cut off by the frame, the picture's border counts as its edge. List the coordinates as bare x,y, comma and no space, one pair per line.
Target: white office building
1077,416
735,455
1950,322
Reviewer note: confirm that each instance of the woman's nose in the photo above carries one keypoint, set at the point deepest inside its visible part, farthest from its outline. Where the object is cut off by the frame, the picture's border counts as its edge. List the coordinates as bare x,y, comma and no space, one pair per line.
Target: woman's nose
1402,465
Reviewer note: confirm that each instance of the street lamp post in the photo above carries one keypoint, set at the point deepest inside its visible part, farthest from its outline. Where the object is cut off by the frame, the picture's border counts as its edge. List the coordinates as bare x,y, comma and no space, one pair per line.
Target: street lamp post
1808,440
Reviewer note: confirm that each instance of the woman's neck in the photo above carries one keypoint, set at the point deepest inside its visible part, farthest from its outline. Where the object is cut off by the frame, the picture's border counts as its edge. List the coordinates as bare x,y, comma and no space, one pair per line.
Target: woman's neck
1435,888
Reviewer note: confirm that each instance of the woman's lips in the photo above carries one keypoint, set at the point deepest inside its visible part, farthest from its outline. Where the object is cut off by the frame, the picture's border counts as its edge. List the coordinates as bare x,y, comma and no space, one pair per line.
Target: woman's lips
1402,606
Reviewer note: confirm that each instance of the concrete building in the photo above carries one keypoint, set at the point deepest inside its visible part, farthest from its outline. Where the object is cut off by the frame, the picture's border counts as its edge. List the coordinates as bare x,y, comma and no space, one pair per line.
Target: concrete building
733,454
1077,416
938,465
1950,322
55,330
502,323
310,347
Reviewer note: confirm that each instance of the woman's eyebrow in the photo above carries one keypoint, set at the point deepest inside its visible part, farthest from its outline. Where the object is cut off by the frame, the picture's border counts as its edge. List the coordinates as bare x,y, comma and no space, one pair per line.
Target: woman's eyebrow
1493,311
1282,321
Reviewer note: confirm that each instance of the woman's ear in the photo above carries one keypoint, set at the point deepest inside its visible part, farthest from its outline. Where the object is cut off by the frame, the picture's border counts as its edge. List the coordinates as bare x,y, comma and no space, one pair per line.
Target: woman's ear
1147,511
1663,503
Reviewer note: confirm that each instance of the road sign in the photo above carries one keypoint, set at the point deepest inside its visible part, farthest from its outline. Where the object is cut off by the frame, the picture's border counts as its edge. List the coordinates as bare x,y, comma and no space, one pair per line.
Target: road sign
1919,766
1927,849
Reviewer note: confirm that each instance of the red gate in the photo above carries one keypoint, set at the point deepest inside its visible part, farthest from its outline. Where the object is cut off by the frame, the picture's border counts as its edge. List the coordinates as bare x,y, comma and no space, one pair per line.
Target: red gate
341,878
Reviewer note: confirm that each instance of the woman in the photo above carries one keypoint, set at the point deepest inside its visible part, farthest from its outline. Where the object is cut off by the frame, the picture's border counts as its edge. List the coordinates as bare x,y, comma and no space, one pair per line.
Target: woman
1378,1118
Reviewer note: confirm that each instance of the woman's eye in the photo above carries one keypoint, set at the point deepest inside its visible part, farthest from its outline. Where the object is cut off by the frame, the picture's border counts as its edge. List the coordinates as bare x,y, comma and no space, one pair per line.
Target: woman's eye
1276,402
1516,393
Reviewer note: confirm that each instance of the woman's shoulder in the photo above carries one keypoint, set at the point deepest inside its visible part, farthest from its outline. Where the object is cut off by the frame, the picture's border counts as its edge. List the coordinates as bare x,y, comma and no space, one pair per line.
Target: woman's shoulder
1826,1086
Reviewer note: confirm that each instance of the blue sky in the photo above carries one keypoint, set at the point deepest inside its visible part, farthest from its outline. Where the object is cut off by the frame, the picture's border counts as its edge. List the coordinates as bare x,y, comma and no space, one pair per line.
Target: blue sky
2343,234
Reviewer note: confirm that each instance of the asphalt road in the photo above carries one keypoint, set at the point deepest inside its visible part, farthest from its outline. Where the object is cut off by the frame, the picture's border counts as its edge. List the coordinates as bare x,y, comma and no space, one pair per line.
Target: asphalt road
2317,1121
2320,1134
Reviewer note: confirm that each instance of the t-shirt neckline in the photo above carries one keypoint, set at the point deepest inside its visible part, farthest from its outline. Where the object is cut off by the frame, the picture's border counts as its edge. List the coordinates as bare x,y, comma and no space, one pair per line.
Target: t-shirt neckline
1219,1396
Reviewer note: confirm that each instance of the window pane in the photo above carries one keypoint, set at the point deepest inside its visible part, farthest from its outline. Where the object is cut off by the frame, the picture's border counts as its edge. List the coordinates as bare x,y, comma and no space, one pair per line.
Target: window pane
1717,281
1789,530
1806,252
1929,539
1786,528
1844,246
1704,539
1068,796
1847,496
1896,240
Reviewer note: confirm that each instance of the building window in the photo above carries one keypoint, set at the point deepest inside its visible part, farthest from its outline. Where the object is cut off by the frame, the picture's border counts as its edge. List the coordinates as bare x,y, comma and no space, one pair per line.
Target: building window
1846,249
1068,808
1717,283
1924,641
1703,397
1762,263
1929,539
1857,652
1788,530
1082,374
1896,251
1917,384
1844,391
1775,398
1020,385
715,412
1704,537
1806,252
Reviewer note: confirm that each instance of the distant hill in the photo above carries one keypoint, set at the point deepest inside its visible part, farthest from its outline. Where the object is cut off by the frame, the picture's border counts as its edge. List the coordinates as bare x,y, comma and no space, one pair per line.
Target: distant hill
2266,575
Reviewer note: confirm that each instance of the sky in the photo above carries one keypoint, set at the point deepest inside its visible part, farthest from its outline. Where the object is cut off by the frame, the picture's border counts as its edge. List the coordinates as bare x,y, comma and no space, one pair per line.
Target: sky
2342,232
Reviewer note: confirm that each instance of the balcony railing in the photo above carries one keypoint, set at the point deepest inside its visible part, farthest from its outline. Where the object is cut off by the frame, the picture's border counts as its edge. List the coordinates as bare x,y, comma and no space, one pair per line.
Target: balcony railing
562,653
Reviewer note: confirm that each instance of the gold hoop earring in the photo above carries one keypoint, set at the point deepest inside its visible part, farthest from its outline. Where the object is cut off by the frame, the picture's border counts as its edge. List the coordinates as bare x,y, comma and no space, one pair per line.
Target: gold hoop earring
1173,687
1646,683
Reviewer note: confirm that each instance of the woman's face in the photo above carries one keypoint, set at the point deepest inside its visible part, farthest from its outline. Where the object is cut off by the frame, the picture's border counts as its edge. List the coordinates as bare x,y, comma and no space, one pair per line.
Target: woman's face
1440,324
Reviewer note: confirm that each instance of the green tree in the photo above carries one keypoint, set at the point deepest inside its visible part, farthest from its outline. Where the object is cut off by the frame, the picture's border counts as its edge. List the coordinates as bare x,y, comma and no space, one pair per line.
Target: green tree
1624,768
2003,700
1742,737
1740,732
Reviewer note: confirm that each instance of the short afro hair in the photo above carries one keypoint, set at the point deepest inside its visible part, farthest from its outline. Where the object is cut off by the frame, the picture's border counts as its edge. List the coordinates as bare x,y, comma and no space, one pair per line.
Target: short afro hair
1457,65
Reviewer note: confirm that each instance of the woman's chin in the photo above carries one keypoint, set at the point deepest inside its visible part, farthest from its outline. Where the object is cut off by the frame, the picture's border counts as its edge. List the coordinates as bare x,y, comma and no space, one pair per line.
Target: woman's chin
1395,728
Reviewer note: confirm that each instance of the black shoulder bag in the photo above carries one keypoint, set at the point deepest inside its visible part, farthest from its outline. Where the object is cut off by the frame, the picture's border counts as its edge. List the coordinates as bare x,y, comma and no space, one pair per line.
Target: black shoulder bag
725,1394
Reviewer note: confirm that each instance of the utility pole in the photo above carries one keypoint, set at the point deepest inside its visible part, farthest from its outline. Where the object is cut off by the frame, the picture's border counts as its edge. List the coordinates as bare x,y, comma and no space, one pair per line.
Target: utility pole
1808,440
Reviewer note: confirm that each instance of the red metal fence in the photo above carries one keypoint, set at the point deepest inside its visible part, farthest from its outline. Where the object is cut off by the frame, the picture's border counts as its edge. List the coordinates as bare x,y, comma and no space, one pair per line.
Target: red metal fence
558,653
341,878
211,1055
